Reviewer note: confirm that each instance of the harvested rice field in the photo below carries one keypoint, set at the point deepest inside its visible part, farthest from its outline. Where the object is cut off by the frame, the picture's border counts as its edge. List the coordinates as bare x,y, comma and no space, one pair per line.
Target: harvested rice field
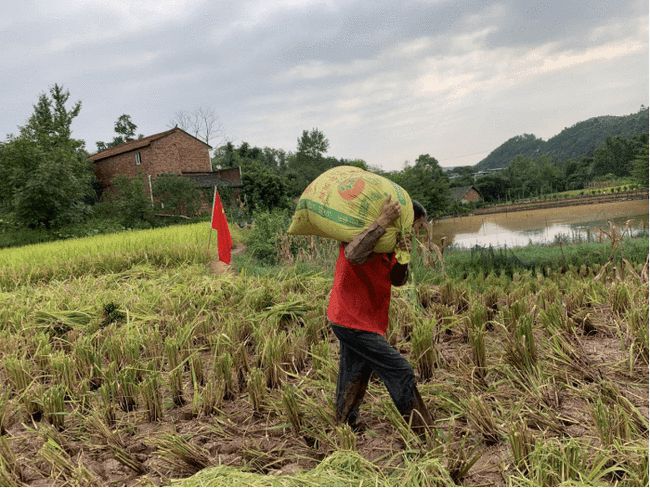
125,360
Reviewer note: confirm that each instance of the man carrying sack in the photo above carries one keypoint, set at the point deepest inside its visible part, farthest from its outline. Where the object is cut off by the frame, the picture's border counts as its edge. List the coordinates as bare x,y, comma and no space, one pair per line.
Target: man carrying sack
358,315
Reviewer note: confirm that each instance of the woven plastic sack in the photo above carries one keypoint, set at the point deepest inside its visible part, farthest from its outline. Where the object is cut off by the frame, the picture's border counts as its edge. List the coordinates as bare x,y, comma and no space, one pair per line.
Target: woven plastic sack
344,201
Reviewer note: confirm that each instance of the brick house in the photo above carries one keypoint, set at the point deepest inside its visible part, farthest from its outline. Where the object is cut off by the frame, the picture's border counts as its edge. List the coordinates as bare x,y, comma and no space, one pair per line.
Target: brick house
466,194
170,152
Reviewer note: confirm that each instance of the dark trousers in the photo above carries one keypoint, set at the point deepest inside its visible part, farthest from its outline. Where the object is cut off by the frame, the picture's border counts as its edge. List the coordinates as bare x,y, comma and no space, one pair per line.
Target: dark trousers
361,353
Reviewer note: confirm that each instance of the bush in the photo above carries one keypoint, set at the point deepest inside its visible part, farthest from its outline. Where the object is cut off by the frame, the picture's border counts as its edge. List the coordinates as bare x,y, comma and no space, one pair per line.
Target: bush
264,189
177,195
263,238
128,202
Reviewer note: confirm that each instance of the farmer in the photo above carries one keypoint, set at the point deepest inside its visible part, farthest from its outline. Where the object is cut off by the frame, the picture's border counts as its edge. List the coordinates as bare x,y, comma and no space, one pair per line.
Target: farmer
358,315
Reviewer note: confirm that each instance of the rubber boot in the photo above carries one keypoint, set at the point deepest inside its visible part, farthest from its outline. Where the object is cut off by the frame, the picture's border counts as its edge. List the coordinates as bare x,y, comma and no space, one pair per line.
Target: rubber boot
419,418
348,410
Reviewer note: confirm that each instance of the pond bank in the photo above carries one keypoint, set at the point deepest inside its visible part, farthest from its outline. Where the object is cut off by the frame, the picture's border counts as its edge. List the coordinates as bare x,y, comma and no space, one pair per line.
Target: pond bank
568,202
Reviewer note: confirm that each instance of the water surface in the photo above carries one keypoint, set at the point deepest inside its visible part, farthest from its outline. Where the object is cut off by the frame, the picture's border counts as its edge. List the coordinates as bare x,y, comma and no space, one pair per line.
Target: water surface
512,229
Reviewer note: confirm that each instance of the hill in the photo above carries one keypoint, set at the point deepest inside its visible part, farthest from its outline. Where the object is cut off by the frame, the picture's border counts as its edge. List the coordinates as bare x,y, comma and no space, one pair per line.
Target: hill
576,141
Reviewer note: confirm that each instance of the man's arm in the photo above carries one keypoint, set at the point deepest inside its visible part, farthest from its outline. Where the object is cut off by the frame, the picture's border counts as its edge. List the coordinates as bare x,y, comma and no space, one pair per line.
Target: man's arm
360,248
358,251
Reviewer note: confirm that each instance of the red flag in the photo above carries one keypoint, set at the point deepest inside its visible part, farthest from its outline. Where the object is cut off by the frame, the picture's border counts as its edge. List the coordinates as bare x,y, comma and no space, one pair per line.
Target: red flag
220,224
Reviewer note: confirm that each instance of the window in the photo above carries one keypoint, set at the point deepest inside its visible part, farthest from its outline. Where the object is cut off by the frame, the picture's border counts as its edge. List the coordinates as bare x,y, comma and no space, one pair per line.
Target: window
138,158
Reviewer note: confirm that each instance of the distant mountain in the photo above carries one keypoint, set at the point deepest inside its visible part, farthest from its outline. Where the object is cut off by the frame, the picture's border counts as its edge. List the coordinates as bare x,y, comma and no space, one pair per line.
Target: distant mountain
576,141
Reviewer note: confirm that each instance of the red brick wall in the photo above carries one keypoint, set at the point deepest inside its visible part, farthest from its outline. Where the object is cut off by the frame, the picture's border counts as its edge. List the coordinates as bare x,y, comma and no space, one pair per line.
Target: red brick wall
173,153
231,175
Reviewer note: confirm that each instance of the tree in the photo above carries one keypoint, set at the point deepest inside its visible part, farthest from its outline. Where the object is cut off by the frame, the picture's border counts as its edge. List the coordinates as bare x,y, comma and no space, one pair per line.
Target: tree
309,161
577,173
461,176
359,163
264,177
614,156
312,144
50,123
125,129
493,187
427,183
178,194
203,123
263,188
129,202
640,166
225,157
45,176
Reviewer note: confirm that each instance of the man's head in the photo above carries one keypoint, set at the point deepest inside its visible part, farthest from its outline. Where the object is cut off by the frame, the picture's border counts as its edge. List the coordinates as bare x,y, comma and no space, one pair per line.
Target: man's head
419,214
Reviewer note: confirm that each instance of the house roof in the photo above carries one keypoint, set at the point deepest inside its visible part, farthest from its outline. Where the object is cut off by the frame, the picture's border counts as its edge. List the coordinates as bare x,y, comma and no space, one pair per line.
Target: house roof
221,177
458,192
137,144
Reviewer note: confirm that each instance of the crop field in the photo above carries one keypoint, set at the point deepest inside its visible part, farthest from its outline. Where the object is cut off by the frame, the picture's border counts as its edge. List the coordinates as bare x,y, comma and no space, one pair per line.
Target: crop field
124,359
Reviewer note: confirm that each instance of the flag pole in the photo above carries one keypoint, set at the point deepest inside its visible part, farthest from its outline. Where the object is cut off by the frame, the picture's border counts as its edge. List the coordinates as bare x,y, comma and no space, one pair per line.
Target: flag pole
214,199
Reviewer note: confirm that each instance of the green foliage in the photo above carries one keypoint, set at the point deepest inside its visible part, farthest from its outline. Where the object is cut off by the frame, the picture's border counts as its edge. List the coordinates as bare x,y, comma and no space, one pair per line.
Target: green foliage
309,161
493,187
615,157
461,176
262,240
312,144
542,258
50,124
129,202
577,173
177,195
125,129
639,165
575,142
45,177
523,145
584,137
528,177
427,183
263,188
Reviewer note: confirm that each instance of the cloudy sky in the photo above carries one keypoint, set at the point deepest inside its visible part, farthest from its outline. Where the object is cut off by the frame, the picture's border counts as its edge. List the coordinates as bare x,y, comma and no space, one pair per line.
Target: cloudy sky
384,80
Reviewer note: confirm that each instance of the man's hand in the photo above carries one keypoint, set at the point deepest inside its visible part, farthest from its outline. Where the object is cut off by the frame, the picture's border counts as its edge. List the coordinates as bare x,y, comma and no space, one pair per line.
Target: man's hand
389,213
404,242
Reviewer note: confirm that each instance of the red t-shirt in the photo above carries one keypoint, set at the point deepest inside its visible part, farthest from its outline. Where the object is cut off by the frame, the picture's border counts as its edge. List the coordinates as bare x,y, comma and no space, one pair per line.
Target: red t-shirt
360,295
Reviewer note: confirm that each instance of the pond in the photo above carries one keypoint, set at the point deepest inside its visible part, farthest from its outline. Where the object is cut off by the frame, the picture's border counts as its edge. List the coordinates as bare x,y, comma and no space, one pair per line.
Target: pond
513,229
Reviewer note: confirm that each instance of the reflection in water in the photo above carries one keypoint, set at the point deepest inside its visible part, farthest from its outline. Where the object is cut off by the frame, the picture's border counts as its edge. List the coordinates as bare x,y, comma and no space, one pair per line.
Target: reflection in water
491,234
544,225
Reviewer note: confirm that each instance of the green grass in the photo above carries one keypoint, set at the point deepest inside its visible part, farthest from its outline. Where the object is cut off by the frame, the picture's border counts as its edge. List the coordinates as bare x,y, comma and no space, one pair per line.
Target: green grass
108,253
555,256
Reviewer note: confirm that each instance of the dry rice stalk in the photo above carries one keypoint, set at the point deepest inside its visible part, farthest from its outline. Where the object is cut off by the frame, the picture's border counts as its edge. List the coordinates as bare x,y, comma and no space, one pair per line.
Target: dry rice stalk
522,444
179,452
345,438
4,412
54,406
291,407
150,389
256,389
460,459
10,472
481,416
62,465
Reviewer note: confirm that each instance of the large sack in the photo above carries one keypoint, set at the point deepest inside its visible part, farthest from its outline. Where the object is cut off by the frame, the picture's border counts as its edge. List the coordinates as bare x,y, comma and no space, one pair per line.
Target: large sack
345,200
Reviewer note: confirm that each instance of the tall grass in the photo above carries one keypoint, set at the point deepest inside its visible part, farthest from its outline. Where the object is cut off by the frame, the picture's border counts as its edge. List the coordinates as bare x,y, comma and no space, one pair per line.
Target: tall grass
109,253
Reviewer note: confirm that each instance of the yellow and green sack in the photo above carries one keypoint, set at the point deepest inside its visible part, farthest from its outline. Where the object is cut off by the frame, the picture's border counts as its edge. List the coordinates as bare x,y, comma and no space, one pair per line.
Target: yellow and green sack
344,201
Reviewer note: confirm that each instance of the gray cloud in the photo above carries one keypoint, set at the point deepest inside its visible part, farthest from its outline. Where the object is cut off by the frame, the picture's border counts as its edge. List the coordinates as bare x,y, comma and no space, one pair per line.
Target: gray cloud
385,80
